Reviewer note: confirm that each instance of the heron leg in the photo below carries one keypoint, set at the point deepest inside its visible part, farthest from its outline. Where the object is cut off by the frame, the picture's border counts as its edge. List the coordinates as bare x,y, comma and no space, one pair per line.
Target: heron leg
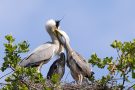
80,78
39,67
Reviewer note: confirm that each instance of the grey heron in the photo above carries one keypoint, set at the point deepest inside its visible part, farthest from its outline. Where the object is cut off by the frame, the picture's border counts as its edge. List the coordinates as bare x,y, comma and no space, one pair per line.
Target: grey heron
43,53
58,67
78,66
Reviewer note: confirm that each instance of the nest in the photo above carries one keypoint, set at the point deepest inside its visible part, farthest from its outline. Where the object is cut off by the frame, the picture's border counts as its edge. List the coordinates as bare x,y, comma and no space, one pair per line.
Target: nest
68,86
84,86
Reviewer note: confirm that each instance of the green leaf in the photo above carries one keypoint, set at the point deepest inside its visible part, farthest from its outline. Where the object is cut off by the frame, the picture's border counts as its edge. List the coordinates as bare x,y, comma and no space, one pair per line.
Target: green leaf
133,74
114,44
55,78
9,38
134,87
23,47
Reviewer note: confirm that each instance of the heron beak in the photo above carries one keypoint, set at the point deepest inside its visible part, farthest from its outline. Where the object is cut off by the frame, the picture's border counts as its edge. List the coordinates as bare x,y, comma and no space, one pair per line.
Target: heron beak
58,32
57,23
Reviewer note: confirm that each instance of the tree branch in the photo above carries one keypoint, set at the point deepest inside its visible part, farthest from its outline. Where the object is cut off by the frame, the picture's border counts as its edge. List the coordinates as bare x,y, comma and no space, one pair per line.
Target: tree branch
11,67
131,87
6,74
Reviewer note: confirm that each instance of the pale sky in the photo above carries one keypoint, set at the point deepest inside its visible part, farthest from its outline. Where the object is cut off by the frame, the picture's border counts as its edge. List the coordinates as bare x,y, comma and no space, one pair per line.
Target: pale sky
92,25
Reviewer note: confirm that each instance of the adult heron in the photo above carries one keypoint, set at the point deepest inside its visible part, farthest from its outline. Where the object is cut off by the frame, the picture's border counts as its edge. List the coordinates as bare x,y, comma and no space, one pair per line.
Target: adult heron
58,67
78,66
43,53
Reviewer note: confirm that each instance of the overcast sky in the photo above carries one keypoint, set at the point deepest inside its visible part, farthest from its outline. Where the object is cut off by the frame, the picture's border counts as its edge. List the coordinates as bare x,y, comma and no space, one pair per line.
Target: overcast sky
92,25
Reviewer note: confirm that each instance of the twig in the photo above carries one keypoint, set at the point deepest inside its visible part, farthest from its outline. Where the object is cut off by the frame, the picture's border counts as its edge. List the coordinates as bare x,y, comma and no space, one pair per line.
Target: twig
67,76
131,87
118,52
116,74
6,74
124,79
28,84
3,84
117,78
130,84
11,67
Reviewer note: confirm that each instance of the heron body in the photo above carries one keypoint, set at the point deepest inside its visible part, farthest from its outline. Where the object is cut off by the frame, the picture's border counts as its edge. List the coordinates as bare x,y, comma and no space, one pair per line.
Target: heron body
58,67
45,52
78,66
40,55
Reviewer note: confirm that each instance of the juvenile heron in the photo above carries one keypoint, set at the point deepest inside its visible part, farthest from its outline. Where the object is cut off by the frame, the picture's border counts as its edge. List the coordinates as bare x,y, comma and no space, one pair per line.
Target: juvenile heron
78,66
43,53
58,67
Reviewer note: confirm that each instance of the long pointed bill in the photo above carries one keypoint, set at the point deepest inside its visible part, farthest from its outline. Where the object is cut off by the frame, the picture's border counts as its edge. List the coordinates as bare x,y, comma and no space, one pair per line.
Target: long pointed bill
57,23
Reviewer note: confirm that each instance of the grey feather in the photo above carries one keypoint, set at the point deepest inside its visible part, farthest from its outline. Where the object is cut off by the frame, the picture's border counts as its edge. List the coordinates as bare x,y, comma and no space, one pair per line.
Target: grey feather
58,67
82,64
42,53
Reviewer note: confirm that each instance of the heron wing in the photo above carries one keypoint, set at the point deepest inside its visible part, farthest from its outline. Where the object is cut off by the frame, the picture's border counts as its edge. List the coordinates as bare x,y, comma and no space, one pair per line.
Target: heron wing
42,53
81,63
52,69
58,67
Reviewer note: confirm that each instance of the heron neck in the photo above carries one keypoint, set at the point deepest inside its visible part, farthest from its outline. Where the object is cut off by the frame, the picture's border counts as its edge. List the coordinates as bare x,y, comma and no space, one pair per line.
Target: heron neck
68,48
54,38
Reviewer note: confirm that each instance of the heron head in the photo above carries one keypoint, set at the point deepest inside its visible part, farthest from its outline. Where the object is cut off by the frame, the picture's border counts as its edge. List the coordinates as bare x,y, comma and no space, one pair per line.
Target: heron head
51,25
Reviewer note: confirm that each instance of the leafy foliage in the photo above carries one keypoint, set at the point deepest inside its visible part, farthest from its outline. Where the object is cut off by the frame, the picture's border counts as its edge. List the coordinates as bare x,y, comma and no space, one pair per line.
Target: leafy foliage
121,67
12,52
21,78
